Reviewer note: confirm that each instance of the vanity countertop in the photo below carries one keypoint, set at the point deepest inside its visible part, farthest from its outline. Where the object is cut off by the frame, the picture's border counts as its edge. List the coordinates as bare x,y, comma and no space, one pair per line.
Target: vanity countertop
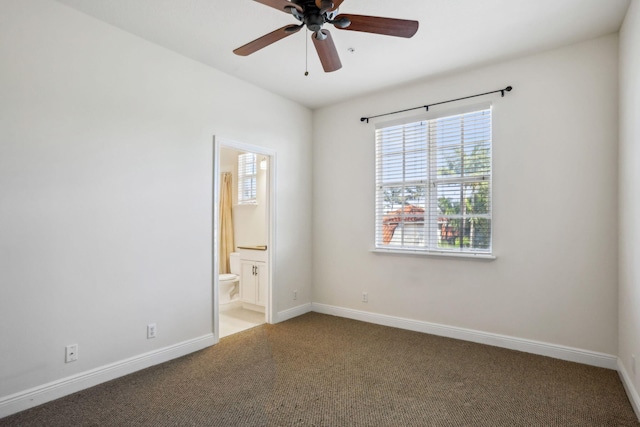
254,248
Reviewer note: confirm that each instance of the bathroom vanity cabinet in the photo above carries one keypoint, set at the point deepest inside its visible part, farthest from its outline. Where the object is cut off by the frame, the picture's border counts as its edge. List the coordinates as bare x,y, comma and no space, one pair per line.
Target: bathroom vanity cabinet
253,279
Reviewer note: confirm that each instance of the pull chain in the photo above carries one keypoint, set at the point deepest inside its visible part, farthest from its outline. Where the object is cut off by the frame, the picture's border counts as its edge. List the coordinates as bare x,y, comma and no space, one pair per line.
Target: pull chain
306,57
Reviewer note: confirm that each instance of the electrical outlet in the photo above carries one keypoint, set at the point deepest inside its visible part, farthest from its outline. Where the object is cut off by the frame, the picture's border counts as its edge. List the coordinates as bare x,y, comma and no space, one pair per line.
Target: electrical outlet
71,353
365,297
295,295
151,330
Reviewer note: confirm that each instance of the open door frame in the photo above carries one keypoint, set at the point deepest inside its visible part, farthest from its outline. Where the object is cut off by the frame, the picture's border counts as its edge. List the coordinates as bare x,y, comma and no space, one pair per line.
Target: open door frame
218,144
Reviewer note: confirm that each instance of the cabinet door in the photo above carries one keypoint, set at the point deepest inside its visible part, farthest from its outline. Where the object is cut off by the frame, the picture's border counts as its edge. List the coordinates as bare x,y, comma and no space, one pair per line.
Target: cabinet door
261,283
247,282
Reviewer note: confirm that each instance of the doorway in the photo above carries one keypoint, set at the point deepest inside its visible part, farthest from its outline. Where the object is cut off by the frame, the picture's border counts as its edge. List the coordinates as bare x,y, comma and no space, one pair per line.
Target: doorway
243,189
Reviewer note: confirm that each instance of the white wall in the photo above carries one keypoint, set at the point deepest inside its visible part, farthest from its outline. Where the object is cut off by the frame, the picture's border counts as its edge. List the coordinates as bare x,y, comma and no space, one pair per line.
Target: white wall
629,288
555,198
106,191
229,163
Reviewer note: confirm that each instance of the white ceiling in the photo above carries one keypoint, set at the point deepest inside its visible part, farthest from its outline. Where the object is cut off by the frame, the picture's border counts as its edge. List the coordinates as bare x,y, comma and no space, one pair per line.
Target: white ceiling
453,35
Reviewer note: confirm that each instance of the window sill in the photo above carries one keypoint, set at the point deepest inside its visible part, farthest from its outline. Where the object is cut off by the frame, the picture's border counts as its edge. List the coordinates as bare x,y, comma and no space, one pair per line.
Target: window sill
483,257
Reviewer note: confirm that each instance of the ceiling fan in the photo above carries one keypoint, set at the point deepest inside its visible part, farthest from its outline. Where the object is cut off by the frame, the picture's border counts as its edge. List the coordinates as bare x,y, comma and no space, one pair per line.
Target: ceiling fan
314,14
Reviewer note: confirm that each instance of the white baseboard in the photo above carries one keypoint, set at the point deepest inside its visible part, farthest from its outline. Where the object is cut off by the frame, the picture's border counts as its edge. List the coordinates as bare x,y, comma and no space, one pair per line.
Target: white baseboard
586,357
38,395
629,387
293,312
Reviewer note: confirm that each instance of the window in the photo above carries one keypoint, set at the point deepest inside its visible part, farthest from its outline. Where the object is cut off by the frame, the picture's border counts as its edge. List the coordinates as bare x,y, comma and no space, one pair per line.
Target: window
433,185
247,174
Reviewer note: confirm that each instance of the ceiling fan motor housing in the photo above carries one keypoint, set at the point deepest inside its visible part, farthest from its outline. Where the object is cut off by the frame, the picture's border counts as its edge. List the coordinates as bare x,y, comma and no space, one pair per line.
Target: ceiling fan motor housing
312,16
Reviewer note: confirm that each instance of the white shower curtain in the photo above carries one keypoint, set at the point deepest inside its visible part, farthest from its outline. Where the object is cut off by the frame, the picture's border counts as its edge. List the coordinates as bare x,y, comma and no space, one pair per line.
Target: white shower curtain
227,244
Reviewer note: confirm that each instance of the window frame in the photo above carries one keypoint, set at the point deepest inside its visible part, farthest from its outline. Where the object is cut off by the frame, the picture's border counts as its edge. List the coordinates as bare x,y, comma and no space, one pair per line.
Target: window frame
431,212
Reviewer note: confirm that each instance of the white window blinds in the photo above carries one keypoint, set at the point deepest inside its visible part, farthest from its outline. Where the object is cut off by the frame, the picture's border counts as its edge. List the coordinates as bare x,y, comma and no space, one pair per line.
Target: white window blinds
433,185
247,174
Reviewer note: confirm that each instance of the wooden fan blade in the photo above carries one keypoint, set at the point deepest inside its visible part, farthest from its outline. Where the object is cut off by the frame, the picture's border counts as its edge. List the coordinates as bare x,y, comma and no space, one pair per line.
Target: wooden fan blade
336,4
266,40
282,5
327,52
377,25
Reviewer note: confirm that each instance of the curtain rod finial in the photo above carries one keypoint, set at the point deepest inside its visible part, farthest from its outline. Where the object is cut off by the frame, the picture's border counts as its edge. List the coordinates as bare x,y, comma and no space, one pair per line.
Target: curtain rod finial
364,119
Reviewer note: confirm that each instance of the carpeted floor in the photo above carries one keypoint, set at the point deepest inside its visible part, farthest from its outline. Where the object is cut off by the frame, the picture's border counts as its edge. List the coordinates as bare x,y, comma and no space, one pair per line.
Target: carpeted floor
318,370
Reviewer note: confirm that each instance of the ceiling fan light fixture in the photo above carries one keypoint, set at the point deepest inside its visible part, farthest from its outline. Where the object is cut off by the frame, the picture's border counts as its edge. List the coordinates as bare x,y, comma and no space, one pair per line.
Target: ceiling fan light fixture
313,21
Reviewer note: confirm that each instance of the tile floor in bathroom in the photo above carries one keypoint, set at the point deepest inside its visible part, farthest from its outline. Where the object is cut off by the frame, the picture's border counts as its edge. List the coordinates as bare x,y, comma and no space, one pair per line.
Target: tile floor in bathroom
234,319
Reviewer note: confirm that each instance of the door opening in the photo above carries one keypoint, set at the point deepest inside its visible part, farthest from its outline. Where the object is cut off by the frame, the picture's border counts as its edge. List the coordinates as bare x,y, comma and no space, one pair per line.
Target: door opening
243,244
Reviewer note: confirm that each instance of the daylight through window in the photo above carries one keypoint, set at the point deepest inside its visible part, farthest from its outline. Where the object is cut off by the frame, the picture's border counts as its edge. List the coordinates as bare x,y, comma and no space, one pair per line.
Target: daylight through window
247,174
433,185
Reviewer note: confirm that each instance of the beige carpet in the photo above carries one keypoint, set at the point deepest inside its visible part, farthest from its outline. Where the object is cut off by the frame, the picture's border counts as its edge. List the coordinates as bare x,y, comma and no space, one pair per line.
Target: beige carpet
319,370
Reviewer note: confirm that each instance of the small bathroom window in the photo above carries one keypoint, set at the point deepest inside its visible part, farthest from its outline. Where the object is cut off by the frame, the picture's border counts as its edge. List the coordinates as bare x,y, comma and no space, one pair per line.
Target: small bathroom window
247,177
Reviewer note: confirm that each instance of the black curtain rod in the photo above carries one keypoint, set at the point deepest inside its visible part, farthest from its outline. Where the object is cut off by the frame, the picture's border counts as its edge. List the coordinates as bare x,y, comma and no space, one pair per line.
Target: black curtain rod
502,91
